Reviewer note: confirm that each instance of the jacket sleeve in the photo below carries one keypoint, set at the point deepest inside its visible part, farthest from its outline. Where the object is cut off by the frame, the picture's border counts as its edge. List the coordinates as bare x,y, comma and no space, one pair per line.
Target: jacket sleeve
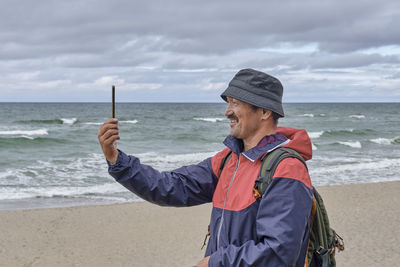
186,186
282,225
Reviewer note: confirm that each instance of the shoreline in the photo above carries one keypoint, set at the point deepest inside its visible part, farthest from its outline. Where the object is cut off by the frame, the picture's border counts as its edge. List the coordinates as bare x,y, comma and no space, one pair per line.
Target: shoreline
143,234
56,203
70,202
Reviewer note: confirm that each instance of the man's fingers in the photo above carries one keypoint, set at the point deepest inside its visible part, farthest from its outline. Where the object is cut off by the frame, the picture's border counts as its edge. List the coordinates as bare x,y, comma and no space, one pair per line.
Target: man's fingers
106,127
111,133
105,133
109,124
102,130
110,136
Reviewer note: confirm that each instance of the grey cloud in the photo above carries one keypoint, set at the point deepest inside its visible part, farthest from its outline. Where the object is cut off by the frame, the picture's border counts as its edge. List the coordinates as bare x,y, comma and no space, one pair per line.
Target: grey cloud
187,44
198,27
352,61
394,76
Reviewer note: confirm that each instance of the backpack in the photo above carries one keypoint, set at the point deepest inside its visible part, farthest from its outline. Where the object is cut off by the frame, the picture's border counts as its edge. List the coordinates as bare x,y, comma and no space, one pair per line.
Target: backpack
323,240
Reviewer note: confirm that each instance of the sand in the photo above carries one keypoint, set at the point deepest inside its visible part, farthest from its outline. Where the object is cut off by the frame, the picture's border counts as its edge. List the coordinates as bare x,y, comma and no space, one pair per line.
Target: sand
367,216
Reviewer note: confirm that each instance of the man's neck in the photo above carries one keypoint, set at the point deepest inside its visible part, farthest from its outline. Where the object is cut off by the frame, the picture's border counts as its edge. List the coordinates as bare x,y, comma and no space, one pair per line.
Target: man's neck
249,143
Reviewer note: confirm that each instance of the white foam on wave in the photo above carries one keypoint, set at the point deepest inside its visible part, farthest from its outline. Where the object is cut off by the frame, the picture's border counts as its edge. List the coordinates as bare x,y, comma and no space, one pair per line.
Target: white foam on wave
5,173
307,115
27,137
353,144
131,121
69,120
93,123
357,116
74,170
210,119
61,191
315,135
313,147
166,162
384,141
25,133
84,177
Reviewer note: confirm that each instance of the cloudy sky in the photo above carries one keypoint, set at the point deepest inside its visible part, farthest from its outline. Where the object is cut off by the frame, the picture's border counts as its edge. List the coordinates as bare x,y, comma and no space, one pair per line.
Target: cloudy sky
188,50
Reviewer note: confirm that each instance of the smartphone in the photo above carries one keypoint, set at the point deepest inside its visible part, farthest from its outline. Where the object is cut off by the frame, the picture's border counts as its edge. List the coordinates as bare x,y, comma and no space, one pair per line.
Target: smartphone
113,101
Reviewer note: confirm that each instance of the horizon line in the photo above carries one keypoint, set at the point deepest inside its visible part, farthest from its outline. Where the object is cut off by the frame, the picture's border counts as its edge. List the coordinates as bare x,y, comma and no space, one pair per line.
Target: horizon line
182,102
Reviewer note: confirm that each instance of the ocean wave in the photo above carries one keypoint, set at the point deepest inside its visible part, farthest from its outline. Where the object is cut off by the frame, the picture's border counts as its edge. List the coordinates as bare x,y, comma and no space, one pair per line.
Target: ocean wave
210,119
357,171
8,193
50,121
53,121
84,177
315,135
314,147
307,115
69,120
20,133
386,141
129,121
353,144
28,140
347,132
336,133
357,116
74,171
175,157
93,123
167,162
337,160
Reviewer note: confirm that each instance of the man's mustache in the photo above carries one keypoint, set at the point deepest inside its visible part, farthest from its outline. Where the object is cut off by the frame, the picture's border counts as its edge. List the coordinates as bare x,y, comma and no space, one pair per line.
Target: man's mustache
232,117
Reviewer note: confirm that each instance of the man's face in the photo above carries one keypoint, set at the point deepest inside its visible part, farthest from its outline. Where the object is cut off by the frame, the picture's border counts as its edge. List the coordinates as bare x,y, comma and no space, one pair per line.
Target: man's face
244,121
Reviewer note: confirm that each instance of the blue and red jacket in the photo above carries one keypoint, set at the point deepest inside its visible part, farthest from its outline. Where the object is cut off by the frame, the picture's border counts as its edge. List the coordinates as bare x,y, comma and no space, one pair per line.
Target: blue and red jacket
245,231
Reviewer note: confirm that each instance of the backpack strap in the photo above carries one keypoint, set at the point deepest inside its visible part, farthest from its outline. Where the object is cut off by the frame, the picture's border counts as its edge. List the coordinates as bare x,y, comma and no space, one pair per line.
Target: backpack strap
225,161
268,166
313,212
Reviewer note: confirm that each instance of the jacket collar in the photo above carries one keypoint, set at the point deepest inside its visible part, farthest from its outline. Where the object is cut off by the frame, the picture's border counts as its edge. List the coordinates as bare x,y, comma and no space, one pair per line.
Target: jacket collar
266,144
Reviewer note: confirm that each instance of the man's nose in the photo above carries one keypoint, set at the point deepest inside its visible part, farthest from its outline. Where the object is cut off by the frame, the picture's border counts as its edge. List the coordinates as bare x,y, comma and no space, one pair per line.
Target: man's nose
228,111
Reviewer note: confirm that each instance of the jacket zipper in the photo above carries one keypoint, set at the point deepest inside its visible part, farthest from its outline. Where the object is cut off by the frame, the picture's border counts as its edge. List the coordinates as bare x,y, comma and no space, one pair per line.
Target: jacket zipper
226,197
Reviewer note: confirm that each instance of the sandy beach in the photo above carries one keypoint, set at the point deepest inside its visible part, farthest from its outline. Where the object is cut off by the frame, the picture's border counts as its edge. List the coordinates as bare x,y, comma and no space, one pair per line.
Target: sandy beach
367,216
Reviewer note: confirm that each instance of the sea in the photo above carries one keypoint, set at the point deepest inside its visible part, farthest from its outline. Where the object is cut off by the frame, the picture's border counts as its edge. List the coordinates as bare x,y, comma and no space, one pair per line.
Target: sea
50,155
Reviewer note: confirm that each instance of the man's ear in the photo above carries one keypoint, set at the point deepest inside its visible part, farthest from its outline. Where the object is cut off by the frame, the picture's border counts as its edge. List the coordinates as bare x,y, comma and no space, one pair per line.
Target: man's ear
266,114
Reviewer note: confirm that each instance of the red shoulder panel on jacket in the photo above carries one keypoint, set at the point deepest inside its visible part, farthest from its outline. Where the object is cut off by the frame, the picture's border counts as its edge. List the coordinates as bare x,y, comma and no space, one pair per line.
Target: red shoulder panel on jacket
216,161
294,169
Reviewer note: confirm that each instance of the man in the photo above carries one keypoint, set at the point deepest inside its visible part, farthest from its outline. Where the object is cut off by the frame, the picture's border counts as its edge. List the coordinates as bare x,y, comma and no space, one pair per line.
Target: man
245,230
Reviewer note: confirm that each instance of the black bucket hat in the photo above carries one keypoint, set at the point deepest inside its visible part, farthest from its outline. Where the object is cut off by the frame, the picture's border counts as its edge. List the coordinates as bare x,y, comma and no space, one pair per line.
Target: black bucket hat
256,88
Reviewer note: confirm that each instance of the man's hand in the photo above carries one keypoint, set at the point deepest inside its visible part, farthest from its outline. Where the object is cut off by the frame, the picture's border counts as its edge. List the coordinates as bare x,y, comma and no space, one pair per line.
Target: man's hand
203,262
107,135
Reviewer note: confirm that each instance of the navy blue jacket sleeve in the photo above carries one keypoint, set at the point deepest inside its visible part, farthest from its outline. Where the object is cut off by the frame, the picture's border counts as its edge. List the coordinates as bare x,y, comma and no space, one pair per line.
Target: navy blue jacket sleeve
186,186
281,224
